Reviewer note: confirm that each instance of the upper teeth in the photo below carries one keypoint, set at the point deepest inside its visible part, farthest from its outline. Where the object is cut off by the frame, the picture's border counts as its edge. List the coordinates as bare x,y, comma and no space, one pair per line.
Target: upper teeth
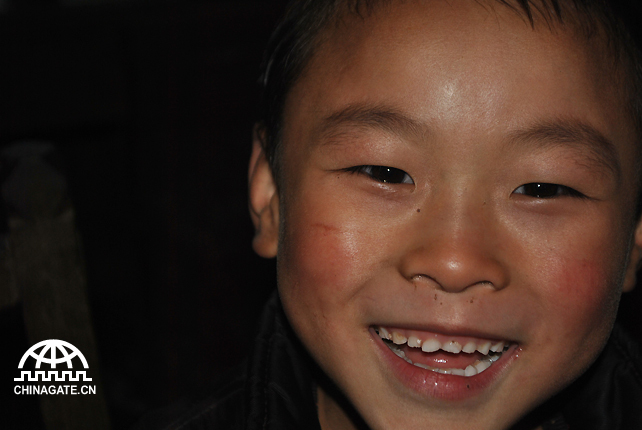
432,344
492,351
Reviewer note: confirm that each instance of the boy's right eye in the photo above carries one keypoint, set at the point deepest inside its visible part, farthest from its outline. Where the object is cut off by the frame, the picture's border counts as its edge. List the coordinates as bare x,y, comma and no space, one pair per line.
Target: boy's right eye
384,174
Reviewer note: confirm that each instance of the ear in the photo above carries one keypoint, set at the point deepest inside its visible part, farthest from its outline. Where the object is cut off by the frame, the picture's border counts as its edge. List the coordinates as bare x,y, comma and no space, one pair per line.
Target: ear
264,200
634,260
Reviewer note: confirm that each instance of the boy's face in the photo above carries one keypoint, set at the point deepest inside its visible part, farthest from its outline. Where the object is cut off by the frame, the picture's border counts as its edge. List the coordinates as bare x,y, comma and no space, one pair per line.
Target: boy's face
475,109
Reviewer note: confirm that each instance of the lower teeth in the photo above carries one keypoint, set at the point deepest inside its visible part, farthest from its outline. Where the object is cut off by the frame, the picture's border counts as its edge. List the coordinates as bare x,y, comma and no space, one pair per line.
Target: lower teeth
474,369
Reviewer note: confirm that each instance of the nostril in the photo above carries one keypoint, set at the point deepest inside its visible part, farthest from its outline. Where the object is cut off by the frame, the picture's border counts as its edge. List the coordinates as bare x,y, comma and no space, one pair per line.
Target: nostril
454,266
423,279
426,280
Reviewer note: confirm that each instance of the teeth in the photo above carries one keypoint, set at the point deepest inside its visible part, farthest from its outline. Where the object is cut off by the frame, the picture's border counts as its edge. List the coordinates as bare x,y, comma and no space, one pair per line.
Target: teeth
484,348
469,348
458,372
399,339
414,342
399,353
452,346
394,347
482,365
431,345
492,351
474,369
497,347
470,371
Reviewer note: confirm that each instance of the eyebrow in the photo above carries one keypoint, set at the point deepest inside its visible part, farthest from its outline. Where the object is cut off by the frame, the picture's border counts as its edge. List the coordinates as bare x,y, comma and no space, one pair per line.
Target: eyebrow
369,116
599,151
560,132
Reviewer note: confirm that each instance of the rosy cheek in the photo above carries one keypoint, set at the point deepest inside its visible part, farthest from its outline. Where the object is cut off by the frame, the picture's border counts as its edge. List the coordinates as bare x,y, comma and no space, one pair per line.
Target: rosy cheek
321,258
584,295
579,282
317,272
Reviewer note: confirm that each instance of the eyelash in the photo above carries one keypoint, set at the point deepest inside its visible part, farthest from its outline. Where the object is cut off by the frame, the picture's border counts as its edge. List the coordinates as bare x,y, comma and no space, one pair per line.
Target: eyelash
383,174
542,190
392,175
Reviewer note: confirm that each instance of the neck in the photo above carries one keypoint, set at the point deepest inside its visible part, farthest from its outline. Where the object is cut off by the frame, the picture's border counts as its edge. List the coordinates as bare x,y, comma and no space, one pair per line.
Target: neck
336,414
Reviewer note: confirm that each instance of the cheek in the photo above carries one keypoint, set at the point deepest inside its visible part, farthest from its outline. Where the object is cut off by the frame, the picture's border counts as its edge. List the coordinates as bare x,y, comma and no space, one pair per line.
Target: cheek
318,257
581,297
321,261
573,287
578,270
587,290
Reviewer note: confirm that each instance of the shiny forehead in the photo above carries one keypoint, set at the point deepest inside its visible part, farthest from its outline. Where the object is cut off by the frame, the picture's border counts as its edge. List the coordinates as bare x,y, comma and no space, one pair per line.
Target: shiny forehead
300,33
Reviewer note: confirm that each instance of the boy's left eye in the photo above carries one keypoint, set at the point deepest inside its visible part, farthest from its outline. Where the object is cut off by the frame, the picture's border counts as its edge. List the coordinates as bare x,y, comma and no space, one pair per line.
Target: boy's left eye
385,174
546,191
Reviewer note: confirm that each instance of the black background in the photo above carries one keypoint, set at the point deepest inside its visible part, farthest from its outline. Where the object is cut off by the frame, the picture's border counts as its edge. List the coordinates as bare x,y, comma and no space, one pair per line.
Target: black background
151,105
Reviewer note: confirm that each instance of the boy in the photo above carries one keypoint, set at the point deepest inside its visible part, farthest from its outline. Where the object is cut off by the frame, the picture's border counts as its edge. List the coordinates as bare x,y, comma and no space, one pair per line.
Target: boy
450,189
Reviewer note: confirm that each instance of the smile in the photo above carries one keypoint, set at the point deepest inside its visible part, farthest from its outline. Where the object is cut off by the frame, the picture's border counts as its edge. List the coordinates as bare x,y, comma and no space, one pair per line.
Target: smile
450,355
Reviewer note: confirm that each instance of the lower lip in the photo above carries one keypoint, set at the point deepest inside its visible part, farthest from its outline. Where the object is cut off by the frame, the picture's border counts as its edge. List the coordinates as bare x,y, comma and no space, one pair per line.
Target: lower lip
443,386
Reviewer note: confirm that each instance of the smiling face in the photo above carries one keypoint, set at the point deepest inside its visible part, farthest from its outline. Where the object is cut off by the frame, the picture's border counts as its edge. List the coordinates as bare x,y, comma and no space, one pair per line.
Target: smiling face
451,179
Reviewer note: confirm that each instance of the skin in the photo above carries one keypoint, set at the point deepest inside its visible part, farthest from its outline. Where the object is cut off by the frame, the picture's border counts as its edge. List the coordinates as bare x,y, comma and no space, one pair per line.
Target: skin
461,247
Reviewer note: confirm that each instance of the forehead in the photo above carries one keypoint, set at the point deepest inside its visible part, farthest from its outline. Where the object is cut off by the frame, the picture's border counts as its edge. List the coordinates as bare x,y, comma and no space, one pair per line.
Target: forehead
461,67
465,41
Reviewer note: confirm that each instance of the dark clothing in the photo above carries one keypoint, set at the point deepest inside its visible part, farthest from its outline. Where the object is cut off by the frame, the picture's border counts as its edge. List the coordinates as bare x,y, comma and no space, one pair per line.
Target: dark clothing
609,395
276,389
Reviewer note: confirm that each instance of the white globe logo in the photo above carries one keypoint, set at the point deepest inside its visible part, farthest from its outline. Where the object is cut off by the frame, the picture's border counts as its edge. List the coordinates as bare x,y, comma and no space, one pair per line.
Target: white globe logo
57,354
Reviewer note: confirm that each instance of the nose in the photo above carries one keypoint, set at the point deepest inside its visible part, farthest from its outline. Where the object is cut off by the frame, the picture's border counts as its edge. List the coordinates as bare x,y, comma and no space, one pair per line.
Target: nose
456,246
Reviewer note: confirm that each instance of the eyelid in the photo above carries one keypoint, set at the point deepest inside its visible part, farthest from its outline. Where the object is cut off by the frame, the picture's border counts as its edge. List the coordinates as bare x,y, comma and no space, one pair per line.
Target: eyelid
369,170
561,191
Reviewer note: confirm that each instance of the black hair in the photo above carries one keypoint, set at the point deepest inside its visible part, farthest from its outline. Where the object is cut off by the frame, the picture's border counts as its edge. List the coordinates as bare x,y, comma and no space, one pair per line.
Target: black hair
294,41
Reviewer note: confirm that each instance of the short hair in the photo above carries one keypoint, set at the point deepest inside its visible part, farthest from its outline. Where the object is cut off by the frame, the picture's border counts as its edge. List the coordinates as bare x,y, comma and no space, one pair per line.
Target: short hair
295,39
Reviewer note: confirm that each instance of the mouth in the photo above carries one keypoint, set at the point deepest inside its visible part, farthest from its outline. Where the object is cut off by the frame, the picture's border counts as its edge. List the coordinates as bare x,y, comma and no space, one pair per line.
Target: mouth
443,354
